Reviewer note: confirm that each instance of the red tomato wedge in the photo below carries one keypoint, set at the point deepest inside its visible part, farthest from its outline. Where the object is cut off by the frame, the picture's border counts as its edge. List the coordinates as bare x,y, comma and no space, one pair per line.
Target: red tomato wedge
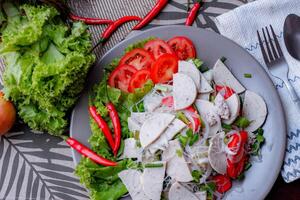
158,47
236,169
121,76
236,163
225,91
223,183
139,79
163,68
138,58
183,47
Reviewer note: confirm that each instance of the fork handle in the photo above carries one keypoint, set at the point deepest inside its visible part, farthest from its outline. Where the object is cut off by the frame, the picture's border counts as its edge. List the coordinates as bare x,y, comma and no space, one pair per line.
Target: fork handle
292,92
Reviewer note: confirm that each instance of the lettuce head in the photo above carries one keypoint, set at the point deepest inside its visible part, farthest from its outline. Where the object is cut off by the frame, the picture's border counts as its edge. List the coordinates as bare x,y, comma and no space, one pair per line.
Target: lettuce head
46,64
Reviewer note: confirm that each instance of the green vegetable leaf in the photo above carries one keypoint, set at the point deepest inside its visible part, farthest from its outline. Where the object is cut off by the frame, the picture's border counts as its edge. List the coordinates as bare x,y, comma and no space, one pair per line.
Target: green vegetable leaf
103,182
196,174
183,140
248,75
197,62
179,153
46,64
154,165
242,122
139,44
258,142
194,139
226,127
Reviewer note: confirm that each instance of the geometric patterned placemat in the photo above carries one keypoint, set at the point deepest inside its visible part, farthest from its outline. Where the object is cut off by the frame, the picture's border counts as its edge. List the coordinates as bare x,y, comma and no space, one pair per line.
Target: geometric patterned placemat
40,166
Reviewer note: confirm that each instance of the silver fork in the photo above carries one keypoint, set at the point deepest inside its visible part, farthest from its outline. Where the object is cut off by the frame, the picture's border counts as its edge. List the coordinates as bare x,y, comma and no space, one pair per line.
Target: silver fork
275,60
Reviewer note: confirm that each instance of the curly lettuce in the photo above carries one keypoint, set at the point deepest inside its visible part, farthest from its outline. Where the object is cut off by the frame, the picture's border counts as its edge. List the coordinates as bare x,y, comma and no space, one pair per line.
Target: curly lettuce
46,64
103,182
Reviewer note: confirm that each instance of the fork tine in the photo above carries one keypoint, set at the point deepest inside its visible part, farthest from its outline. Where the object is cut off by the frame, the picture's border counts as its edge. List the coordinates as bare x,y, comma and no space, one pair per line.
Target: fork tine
263,51
276,42
271,44
268,47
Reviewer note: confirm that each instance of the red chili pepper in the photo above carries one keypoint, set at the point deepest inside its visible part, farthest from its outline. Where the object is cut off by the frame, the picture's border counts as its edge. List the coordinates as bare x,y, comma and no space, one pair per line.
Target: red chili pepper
117,126
113,27
193,14
160,4
85,151
102,125
90,21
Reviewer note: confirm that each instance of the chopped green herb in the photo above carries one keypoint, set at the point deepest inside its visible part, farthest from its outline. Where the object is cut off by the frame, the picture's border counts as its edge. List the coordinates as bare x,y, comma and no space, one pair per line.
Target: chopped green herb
248,75
259,141
153,165
198,63
242,122
138,144
179,153
183,140
248,166
212,98
182,117
210,188
241,177
194,139
226,127
196,174
202,123
223,59
189,133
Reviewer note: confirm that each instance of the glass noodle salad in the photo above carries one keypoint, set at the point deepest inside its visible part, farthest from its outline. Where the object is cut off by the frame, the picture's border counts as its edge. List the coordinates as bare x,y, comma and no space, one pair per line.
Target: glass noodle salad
173,128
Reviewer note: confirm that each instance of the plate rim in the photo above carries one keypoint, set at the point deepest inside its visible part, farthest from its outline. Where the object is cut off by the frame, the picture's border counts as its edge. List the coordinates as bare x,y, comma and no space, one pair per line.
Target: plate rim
133,35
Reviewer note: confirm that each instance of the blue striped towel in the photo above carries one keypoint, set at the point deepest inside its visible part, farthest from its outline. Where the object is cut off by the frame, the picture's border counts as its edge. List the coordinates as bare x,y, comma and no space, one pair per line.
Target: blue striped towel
240,25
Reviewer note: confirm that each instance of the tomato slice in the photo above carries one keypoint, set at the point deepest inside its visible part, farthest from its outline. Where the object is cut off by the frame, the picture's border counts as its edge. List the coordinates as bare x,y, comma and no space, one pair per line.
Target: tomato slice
163,68
121,76
225,91
158,47
139,58
139,79
183,47
223,183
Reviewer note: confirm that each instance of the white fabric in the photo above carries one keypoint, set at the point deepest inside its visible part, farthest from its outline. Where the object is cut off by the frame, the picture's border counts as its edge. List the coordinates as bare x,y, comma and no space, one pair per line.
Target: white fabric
241,25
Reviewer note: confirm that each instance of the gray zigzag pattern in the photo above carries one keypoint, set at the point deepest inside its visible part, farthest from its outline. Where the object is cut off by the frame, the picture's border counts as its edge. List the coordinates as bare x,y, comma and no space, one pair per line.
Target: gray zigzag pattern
291,148
292,135
292,161
288,175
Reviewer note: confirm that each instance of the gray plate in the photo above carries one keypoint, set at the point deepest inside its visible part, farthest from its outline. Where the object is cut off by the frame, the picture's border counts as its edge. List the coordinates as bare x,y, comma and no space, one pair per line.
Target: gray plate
211,46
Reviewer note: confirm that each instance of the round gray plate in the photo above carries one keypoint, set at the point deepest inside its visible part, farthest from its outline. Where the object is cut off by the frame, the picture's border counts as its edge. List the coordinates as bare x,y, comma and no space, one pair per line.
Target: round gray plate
211,46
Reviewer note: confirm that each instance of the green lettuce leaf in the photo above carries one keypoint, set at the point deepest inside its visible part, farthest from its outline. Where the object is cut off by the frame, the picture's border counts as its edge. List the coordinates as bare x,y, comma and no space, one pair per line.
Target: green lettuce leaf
103,182
46,65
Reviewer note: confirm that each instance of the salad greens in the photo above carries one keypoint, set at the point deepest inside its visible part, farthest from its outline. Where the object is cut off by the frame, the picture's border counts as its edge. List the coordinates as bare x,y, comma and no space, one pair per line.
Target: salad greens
103,182
46,64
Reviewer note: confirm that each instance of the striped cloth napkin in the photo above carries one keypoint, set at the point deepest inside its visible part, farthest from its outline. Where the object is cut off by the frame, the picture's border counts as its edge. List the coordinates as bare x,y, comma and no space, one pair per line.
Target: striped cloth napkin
241,25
